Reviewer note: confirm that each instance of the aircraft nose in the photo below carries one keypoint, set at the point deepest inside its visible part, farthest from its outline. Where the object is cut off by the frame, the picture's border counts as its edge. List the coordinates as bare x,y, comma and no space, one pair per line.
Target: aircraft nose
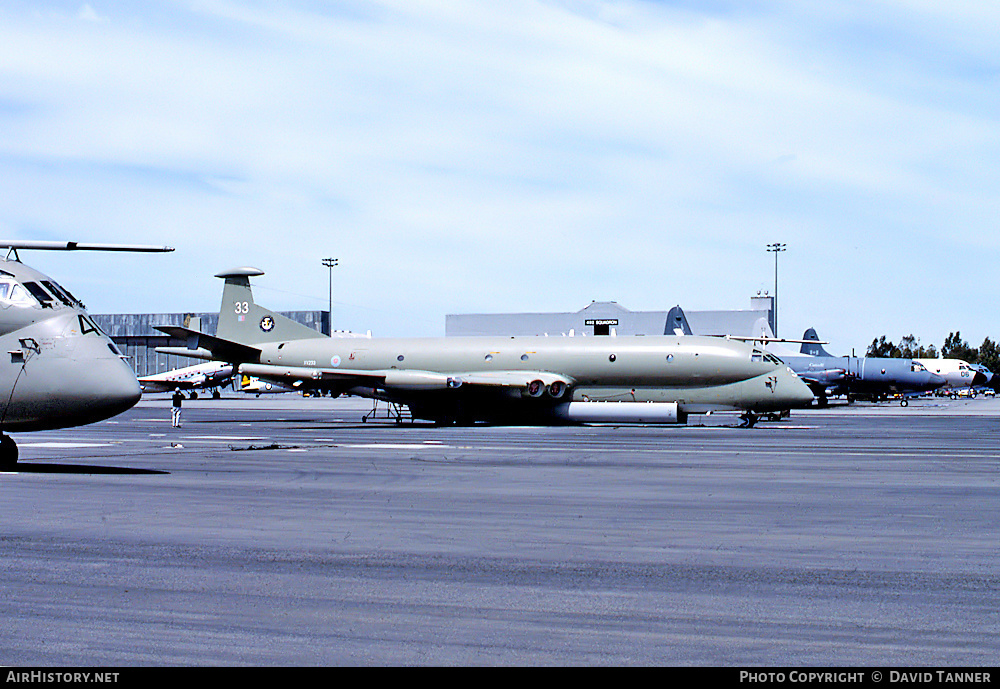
115,388
979,379
124,389
796,393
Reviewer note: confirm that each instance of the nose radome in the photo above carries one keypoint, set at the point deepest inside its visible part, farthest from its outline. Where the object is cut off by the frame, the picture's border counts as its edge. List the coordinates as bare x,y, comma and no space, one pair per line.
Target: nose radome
121,390
796,392
107,389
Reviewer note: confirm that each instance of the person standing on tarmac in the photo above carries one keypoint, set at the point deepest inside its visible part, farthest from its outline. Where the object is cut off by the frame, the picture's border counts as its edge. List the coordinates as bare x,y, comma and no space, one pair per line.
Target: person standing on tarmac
175,414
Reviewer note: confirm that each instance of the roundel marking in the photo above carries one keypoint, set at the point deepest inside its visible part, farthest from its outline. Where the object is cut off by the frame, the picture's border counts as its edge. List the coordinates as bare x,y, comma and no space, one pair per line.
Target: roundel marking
335,360
267,324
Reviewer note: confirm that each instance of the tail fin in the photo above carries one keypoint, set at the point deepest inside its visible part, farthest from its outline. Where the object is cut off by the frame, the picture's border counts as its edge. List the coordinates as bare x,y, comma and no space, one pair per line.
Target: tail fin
812,348
677,323
243,321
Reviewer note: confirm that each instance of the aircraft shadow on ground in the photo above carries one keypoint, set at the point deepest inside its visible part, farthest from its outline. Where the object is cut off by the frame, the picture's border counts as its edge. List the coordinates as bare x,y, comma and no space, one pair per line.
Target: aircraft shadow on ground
49,468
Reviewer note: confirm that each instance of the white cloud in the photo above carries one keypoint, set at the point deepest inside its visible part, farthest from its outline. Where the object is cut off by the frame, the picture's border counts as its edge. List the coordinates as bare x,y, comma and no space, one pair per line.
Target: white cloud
516,156
88,14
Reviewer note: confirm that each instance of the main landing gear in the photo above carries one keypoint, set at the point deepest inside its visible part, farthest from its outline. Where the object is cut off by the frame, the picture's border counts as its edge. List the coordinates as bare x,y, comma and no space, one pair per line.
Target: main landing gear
748,419
8,452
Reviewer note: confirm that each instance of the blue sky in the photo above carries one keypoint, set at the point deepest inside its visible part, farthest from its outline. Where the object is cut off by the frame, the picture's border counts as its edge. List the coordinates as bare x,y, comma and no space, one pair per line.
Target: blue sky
519,156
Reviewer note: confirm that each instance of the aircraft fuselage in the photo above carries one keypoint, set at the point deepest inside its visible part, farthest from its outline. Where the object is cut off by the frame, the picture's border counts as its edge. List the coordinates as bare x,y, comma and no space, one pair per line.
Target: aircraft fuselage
868,375
700,374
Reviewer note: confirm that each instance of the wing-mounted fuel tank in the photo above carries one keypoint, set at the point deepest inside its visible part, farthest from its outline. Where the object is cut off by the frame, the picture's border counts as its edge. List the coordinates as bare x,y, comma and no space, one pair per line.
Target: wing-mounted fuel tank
420,380
620,412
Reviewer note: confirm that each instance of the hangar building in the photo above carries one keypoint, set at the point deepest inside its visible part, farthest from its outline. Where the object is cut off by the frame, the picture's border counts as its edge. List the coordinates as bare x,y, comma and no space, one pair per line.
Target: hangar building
608,317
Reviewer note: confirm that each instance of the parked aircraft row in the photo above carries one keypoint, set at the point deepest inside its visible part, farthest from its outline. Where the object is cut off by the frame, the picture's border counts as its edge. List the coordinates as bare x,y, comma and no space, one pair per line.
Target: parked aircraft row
64,371
874,377
851,376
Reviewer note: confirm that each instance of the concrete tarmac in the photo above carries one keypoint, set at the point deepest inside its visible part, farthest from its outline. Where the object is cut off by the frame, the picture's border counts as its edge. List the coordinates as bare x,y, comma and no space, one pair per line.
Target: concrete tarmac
283,531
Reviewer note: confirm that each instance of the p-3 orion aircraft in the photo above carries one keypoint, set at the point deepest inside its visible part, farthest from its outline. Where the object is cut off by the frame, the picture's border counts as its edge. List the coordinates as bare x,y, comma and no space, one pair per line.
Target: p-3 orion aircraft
58,368
528,380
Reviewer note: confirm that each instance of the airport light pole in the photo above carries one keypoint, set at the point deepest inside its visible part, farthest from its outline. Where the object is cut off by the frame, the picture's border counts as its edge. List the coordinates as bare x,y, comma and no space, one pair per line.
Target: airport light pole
330,263
776,248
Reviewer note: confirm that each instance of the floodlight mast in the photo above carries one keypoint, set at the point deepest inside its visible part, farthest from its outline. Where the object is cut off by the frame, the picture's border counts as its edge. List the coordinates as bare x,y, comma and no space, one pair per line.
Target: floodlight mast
330,263
776,248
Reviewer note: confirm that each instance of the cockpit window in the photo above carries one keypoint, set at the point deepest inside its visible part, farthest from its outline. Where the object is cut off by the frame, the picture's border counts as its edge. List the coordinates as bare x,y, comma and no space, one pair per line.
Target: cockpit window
761,355
917,367
61,294
11,292
44,298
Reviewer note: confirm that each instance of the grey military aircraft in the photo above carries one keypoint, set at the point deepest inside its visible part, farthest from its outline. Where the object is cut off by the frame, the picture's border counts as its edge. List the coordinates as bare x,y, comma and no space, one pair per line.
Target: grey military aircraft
59,369
502,379
828,375
876,377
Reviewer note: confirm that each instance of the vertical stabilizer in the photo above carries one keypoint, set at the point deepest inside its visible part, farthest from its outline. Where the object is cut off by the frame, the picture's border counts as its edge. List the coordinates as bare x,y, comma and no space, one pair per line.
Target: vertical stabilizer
677,323
243,321
813,348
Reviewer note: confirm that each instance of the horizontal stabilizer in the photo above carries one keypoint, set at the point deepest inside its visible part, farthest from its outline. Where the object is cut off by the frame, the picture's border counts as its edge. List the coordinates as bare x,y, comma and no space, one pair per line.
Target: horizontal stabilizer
199,353
221,350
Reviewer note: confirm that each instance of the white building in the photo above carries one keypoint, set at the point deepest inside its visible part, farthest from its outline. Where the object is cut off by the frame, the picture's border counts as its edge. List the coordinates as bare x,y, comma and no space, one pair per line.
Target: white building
608,317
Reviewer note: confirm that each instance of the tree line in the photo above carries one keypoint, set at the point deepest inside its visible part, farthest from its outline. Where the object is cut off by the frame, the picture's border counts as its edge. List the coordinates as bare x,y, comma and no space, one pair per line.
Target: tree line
954,347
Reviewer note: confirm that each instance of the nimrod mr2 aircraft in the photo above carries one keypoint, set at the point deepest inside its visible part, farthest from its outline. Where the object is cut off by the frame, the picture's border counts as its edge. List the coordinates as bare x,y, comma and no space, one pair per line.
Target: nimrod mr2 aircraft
58,368
533,380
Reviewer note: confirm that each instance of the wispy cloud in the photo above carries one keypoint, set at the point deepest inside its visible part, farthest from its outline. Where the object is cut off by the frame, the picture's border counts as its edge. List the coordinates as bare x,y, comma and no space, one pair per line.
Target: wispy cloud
516,156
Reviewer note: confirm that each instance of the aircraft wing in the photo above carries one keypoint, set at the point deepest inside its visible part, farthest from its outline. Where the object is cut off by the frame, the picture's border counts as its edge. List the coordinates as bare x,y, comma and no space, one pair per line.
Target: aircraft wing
202,346
822,380
154,386
151,384
395,379
829,376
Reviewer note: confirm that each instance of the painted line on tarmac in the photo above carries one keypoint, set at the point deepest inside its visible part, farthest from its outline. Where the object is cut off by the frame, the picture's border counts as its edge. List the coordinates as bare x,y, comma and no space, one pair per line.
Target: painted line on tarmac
397,446
64,445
